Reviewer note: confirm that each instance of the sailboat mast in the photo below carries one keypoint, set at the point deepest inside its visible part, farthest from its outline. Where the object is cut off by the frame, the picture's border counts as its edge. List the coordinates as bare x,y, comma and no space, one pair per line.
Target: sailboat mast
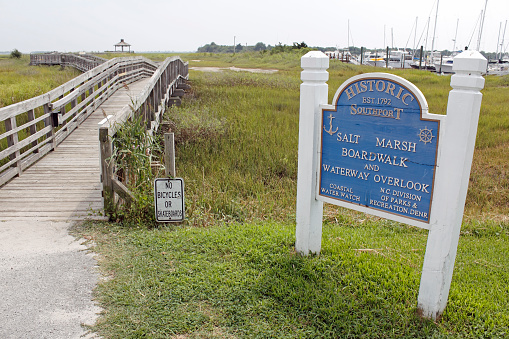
435,29
427,33
415,35
392,37
348,35
481,26
384,37
456,35
502,43
498,39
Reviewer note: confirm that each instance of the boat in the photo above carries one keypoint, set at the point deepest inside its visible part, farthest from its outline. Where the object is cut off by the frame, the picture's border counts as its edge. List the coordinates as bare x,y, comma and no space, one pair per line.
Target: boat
443,64
400,59
376,59
396,59
424,65
343,56
499,67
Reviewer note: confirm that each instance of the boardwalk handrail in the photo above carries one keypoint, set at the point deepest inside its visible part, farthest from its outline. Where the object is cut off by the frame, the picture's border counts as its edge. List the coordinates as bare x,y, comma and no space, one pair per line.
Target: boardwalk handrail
165,87
82,62
36,126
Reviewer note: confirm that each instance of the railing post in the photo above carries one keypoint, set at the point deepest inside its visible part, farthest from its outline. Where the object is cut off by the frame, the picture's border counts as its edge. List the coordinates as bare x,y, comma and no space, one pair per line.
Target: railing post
313,93
83,110
456,153
33,127
169,155
106,150
48,122
12,140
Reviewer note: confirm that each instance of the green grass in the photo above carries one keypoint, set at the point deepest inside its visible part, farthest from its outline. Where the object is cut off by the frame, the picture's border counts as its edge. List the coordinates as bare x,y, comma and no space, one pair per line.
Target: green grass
245,281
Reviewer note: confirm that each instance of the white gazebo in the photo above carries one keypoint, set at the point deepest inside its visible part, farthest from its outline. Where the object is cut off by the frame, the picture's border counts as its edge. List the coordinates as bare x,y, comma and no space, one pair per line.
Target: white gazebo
121,45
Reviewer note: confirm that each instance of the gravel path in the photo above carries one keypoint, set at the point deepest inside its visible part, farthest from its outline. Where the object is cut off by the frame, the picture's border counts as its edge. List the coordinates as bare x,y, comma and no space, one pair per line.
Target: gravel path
46,282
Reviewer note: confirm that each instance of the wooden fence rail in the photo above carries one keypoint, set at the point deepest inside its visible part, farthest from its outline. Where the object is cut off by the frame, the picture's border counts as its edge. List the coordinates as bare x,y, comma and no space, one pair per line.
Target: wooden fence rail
82,62
164,89
36,126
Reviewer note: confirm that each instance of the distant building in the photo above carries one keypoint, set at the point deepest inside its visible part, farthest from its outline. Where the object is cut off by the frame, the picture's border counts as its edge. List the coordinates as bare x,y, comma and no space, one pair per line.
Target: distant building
121,45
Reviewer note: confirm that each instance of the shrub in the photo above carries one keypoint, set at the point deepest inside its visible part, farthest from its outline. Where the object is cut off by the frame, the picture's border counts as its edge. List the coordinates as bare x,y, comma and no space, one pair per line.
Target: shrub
16,54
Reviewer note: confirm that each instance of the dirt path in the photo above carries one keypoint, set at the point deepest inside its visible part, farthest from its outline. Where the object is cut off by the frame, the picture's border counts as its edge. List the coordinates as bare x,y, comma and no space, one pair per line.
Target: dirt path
233,68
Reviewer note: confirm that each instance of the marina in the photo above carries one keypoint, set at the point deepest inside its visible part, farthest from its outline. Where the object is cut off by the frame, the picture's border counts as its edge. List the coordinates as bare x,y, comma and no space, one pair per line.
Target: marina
440,62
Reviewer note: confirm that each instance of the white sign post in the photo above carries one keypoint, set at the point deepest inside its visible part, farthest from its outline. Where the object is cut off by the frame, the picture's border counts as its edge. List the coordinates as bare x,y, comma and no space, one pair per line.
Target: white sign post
452,168
456,153
313,93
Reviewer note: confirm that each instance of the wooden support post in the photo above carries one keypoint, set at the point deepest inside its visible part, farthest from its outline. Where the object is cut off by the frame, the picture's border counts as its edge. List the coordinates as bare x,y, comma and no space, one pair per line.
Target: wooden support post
456,153
150,112
387,57
12,141
58,115
420,58
183,86
175,101
106,149
83,110
313,93
48,122
178,92
33,127
169,154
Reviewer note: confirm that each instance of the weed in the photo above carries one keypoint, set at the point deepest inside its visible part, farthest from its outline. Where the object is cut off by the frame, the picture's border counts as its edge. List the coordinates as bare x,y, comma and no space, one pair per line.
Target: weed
134,152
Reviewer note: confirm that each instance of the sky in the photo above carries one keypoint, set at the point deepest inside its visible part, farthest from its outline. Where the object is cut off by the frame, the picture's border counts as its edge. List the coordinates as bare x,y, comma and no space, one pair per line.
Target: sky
183,26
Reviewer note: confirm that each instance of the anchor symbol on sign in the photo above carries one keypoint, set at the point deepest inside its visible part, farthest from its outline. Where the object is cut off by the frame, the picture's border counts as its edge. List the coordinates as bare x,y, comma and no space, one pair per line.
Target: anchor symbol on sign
330,123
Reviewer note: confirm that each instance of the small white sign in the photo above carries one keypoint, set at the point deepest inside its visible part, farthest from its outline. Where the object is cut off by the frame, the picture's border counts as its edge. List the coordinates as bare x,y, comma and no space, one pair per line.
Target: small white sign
169,199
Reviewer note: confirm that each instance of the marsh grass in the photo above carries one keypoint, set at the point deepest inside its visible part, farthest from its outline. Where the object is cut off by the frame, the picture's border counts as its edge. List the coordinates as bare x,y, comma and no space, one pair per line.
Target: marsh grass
261,113
19,82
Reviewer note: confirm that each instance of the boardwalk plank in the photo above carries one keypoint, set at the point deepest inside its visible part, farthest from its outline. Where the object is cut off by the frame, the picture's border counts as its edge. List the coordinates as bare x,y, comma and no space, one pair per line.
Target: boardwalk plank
65,184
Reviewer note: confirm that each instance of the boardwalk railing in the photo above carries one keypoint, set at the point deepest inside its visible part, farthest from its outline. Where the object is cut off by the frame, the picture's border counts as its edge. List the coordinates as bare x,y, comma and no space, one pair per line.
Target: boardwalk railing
82,62
165,87
36,126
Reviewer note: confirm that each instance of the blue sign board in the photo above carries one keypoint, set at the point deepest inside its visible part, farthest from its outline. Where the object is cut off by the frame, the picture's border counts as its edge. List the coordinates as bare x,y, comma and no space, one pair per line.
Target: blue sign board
377,150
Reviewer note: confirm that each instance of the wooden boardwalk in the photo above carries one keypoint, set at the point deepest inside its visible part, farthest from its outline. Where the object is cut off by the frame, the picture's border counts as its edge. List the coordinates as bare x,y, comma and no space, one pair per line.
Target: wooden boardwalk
65,185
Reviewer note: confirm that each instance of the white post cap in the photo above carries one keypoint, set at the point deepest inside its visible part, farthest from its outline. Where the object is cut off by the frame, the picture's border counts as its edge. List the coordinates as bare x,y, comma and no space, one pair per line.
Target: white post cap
468,66
469,61
314,64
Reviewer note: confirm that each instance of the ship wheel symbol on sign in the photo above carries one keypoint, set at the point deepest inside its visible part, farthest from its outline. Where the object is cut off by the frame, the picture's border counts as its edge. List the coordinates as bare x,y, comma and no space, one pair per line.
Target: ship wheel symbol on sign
426,135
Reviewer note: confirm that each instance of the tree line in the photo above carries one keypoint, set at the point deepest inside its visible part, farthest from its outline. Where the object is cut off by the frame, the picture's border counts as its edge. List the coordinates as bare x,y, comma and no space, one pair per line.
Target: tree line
260,46
280,48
